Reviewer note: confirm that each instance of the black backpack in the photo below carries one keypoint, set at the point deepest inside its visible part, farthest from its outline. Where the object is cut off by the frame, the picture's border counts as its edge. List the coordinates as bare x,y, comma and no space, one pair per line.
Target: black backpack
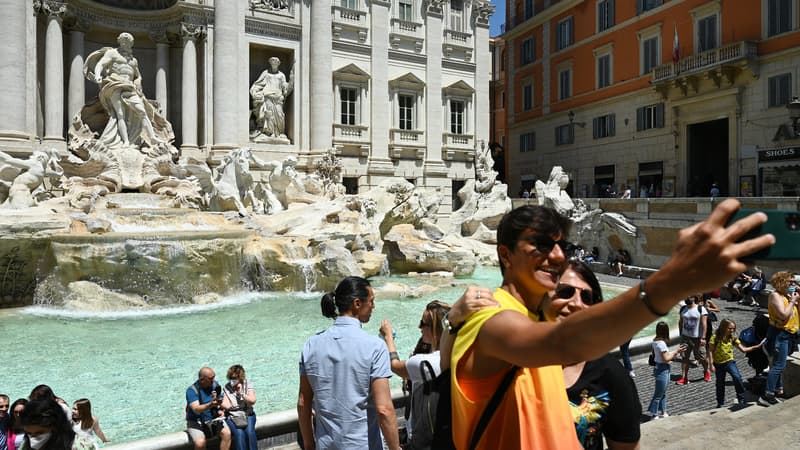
443,429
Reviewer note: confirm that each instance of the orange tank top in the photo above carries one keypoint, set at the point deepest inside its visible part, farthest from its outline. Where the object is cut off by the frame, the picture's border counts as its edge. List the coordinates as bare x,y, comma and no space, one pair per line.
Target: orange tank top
534,413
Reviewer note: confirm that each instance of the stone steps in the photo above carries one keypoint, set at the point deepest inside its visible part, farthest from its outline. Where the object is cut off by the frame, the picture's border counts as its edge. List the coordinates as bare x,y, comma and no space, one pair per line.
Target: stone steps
724,428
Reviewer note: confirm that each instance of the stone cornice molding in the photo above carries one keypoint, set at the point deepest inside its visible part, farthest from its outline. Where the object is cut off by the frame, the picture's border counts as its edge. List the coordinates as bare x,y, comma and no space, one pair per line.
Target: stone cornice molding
386,3
481,12
160,36
50,8
273,29
154,23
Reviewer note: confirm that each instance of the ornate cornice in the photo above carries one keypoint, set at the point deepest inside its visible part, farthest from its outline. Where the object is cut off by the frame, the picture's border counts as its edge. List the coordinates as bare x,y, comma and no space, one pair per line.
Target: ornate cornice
162,26
192,31
50,8
265,28
434,6
481,12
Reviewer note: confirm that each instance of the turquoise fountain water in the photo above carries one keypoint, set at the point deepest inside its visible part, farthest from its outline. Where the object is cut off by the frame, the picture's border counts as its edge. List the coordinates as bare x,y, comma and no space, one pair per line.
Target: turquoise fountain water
135,367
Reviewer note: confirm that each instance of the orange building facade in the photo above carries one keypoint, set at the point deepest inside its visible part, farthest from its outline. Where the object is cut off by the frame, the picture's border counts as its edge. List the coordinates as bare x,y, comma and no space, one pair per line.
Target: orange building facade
665,97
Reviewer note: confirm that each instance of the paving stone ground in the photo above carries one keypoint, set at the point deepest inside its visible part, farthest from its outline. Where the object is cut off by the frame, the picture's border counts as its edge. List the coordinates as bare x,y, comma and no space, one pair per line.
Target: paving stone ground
698,395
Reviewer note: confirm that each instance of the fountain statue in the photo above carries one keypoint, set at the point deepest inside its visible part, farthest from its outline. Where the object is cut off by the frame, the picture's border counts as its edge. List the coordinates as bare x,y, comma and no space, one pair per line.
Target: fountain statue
553,193
269,93
22,180
484,200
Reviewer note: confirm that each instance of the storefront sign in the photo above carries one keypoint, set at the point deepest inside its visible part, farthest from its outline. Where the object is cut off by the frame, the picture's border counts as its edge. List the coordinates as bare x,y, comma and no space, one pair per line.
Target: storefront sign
778,154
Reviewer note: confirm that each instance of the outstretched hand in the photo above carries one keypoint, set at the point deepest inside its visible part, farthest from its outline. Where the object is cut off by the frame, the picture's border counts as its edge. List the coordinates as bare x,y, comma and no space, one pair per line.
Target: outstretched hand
707,254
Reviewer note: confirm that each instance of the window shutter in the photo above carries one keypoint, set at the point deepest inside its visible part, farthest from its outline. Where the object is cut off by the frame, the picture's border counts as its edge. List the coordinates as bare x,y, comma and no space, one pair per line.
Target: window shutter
786,88
660,115
639,6
612,125
639,119
610,14
596,127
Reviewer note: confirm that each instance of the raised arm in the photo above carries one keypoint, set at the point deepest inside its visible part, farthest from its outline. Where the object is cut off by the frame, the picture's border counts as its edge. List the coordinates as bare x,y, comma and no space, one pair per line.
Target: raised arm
751,348
398,366
705,256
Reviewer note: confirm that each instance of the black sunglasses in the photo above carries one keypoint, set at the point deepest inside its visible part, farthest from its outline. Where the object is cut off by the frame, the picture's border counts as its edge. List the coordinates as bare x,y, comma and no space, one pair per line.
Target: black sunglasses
423,324
545,244
566,291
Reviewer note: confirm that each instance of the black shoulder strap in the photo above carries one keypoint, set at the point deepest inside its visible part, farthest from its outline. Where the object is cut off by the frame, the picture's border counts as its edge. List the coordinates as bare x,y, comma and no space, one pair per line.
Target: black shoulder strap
492,406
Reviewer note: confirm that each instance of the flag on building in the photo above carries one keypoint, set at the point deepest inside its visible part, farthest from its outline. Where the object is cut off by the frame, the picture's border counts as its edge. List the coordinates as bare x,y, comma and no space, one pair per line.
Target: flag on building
676,49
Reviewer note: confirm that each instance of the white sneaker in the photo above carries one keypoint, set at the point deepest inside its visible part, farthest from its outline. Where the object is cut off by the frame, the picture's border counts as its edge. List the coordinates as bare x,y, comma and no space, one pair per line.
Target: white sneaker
663,415
632,374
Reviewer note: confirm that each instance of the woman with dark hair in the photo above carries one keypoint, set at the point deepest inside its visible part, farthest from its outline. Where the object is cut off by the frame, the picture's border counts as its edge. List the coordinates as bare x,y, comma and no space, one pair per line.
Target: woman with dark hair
344,377
239,398
44,392
47,428
14,434
661,371
419,368
85,422
602,396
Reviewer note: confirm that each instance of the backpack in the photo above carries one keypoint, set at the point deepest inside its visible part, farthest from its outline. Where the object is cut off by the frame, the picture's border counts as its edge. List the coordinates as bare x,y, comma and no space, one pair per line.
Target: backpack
651,360
443,430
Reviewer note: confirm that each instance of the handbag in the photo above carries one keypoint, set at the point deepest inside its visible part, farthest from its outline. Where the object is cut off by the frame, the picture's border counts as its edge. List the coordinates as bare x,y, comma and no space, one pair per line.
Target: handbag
239,418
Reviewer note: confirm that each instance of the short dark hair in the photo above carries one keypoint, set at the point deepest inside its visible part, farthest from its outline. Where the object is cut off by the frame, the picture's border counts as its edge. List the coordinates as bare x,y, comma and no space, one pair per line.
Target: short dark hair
541,219
347,291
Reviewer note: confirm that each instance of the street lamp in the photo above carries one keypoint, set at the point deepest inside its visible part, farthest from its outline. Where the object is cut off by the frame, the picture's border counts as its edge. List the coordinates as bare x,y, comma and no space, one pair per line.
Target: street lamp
794,114
571,116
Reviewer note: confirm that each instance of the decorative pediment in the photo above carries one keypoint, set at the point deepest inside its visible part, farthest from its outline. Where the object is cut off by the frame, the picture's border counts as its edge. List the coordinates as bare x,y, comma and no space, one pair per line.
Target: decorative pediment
460,87
407,81
351,72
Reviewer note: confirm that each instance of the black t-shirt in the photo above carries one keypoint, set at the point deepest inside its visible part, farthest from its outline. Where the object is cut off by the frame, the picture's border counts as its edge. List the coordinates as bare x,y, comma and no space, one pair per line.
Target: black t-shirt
604,401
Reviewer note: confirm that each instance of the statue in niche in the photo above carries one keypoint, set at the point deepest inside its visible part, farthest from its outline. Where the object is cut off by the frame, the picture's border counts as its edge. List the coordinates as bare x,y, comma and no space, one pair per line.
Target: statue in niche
21,179
133,120
269,93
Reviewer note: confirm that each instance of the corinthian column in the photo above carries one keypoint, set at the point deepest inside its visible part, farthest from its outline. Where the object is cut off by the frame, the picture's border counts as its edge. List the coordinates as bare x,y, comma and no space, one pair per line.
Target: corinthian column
162,70
13,76
76,93
228,23
380,118
190,33
481,13
321,72
54,73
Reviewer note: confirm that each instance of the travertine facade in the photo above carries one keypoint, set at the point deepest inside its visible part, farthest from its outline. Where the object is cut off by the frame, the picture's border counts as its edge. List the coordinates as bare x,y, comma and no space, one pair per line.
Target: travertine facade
397,87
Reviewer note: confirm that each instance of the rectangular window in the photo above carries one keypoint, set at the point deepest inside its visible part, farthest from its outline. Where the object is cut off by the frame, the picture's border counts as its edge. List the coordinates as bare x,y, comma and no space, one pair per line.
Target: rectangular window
528,9
527,142
649,117
707,33
603,126
527,97
649,54
405,10
779,15
456,117
349,4
564,134
565,84
603,71
564,33
605,15
406,110
647,5
526,52
349,102
780,90
457,15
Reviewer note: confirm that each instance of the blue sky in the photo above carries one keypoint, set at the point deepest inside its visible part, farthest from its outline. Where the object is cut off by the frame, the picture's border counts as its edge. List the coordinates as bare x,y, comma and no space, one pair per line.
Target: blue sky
498,18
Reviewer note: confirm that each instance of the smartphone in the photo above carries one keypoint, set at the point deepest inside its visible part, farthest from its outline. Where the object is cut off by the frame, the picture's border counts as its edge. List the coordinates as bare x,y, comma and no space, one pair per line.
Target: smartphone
784,225
218,390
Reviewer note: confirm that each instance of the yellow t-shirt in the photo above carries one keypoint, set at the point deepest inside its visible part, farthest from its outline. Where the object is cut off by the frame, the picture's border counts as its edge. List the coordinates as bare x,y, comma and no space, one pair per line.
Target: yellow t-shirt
792,324
536,417
723,350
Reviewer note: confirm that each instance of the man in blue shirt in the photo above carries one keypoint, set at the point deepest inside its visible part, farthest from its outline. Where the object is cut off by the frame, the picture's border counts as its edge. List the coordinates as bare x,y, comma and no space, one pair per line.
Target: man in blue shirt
203,402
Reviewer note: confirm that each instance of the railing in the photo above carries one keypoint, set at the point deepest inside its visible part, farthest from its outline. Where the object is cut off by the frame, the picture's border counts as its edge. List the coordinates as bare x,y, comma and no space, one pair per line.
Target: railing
345,14
458,38
350,132
407,136
704,60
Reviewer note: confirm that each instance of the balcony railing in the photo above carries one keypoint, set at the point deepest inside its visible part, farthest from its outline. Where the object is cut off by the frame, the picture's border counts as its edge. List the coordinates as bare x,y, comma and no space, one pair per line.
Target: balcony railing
343,13
458,144
404,30
350,132
458,38
735,51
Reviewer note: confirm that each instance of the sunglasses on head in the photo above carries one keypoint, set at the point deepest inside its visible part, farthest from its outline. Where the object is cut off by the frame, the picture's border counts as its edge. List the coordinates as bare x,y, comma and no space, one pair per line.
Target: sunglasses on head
566,291
545,244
